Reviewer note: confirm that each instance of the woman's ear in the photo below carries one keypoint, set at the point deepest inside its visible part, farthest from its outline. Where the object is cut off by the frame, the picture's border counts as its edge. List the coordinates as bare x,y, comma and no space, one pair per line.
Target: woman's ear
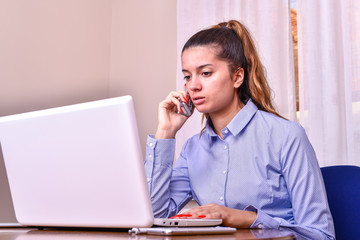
238,77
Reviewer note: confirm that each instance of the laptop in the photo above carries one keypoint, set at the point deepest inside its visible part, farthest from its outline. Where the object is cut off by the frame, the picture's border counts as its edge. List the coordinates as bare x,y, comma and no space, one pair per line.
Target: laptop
80,166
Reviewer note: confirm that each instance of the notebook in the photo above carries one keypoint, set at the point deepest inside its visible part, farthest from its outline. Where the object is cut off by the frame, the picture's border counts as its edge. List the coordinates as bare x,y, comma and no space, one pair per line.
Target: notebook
79,166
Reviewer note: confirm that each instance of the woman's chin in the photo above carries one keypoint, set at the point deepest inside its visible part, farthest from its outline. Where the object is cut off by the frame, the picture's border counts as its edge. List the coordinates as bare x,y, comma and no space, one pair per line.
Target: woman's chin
204,111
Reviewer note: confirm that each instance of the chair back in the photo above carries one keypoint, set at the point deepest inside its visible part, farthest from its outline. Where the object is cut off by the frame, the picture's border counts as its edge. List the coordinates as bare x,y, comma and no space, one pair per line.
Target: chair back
342,185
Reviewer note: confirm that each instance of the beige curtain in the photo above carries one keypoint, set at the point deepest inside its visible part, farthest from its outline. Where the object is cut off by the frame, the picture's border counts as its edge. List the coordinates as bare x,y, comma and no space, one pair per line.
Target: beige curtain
329,78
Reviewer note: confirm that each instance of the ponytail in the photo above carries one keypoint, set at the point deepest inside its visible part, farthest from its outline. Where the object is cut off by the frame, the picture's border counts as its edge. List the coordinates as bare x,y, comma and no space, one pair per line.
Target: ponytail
258,87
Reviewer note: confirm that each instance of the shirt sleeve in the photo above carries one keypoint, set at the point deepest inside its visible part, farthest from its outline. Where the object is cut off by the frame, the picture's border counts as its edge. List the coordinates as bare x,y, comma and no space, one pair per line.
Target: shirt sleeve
312,217
169,188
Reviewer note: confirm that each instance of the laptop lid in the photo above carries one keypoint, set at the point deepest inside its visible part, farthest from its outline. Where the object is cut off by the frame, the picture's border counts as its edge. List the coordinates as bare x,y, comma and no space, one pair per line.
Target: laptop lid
77,166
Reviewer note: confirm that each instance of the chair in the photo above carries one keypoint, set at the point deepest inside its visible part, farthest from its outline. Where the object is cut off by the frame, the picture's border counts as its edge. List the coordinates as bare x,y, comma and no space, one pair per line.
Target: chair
342,185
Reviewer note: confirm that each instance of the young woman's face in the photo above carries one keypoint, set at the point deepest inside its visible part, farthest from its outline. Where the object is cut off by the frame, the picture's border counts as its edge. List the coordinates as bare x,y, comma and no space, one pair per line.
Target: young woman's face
212,87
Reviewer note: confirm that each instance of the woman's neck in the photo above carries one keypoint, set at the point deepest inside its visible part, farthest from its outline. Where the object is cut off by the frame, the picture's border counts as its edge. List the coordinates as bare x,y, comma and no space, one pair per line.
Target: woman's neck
221,119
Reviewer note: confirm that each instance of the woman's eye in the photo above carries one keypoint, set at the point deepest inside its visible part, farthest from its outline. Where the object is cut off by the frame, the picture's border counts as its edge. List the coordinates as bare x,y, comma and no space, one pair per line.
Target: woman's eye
186,78
206,74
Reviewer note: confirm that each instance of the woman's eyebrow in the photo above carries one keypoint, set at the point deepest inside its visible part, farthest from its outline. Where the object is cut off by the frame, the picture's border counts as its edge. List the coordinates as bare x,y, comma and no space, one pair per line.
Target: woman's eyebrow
198,68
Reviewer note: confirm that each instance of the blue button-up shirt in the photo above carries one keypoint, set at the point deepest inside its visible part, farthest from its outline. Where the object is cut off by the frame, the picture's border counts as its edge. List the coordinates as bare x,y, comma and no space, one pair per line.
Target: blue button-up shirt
264,164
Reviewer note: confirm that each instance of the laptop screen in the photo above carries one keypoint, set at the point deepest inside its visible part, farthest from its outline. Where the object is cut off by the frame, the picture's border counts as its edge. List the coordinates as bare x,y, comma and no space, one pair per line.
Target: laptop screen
77,166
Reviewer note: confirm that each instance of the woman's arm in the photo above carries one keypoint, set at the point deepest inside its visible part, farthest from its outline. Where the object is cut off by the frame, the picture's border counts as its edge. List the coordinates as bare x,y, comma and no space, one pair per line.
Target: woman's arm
169,189
305,185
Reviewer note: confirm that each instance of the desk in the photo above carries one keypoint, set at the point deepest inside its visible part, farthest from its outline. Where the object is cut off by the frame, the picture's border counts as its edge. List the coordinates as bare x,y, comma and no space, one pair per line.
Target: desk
50,234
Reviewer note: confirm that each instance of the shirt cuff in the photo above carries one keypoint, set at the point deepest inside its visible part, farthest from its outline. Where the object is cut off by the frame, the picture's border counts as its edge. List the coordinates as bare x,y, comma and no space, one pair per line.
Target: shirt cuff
263,220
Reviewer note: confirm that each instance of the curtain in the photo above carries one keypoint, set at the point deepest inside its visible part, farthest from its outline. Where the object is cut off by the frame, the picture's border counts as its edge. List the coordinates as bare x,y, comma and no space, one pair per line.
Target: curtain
329,78
270,26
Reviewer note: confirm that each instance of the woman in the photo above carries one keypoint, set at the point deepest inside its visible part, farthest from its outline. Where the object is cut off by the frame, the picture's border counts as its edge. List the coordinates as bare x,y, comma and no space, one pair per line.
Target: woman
248,166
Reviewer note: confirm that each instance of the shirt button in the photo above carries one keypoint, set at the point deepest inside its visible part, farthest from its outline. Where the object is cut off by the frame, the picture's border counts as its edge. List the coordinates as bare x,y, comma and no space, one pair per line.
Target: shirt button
225,147
150,156
226,131
224,172
148,179
260,226
151,144
221,198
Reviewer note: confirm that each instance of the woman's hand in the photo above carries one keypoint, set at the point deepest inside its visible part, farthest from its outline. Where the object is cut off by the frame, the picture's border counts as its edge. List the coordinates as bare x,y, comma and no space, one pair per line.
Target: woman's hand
169,120
231,217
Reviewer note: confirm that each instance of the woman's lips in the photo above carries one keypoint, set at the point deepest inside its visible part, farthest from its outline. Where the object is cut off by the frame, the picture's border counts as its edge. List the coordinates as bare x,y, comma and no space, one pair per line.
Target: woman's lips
198,100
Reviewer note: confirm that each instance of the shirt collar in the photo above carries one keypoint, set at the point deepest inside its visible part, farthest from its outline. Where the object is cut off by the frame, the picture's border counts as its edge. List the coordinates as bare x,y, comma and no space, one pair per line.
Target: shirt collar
238,123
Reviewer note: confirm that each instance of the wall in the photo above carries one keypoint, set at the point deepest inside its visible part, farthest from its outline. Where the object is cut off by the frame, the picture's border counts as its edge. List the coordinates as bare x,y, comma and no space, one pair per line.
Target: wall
53,53
61,52
143,56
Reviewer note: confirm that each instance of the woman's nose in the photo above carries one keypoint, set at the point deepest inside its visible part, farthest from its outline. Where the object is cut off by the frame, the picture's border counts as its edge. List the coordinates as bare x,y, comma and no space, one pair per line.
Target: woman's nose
194,84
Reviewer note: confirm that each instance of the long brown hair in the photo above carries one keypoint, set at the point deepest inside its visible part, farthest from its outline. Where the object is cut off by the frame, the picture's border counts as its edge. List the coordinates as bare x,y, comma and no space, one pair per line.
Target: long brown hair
235,45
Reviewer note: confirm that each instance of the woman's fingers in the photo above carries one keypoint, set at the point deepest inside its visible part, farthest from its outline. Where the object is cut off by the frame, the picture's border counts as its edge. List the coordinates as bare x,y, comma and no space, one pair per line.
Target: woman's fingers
169,121
175,97
231,217
180,95
206,211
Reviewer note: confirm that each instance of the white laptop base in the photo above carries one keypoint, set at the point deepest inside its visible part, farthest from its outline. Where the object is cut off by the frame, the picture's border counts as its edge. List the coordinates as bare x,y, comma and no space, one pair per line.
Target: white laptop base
188,222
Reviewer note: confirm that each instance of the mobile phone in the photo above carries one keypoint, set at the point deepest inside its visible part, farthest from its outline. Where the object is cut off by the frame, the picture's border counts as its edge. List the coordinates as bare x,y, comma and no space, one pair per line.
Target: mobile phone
187,108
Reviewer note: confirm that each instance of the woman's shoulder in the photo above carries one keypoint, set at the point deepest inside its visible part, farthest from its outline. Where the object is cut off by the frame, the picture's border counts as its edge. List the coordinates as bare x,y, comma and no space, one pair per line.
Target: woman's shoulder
276,120
284,134
273,123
